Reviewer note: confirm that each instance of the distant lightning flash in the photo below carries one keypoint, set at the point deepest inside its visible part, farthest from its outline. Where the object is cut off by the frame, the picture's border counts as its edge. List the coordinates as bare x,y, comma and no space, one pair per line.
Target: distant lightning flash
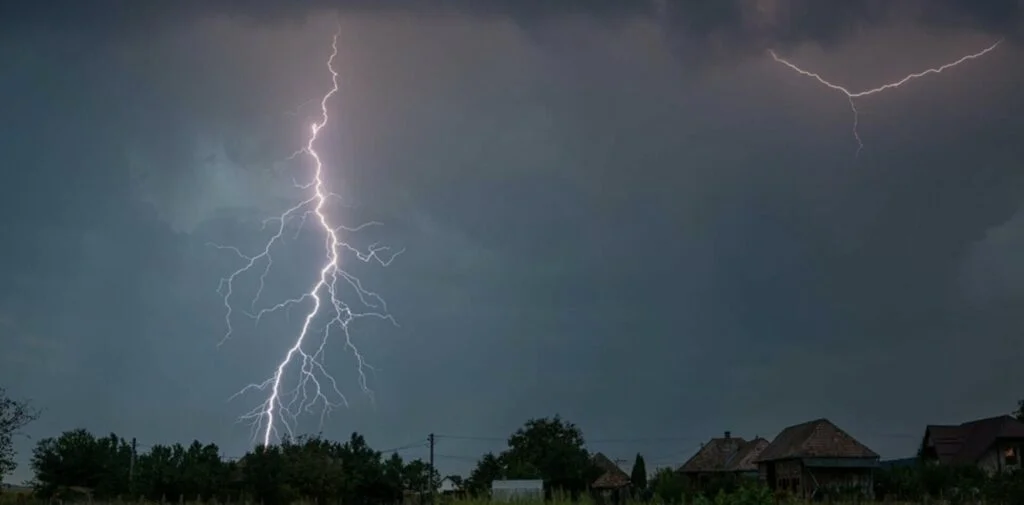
851,96
315,386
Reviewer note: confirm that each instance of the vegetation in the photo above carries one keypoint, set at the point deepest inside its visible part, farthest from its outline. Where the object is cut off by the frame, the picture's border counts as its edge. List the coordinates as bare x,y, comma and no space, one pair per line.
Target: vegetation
14,415
551,449
966,484
78,465
638,477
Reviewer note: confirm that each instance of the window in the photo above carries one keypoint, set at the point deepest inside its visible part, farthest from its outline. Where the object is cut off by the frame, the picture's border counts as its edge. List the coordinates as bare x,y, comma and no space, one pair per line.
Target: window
1012,456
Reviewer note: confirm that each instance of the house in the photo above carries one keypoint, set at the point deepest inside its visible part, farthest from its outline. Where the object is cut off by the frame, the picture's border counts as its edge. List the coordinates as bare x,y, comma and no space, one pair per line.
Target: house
614,483
993,444
810,458
517,490
448,486
727,456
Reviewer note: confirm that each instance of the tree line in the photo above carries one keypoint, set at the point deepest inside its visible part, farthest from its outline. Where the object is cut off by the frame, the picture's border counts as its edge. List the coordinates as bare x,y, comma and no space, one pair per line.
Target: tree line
80,464
307,468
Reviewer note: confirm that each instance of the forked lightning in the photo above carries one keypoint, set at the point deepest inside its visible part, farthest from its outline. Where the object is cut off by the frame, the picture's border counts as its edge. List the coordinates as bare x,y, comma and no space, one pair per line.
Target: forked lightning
851,96
314,387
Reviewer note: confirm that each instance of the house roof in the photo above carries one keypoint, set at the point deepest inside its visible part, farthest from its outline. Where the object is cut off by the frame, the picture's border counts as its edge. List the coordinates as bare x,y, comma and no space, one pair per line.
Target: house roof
967,442
613,476
814,439
611,480
725,454
604,463
447,484
746,459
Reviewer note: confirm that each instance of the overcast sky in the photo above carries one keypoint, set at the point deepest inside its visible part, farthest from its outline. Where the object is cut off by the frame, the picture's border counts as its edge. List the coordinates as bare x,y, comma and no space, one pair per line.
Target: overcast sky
625,213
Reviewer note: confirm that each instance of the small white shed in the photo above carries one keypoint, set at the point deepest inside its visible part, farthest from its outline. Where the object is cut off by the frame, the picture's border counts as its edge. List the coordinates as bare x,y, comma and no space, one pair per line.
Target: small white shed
447,486
517,490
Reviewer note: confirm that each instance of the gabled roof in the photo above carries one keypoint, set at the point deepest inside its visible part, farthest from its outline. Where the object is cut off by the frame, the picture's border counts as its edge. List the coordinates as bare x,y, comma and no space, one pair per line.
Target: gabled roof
746,459
726,454
613,476
604,463
447,484
815,439
946,440
611,480
967,442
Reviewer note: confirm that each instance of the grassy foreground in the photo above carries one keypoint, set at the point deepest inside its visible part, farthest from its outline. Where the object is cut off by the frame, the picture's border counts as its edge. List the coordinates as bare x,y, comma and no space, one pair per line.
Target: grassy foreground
28,499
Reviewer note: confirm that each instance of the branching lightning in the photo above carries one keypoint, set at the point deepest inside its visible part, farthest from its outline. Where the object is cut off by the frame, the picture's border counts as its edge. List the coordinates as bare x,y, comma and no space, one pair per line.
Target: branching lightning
852,96
315,386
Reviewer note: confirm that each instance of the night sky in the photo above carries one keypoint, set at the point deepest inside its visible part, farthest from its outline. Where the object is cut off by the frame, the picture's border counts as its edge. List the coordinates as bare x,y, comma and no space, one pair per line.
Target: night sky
622,212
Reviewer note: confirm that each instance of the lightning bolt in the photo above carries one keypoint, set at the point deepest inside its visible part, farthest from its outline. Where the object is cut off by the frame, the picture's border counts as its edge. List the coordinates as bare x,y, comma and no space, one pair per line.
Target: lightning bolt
315,386
852,96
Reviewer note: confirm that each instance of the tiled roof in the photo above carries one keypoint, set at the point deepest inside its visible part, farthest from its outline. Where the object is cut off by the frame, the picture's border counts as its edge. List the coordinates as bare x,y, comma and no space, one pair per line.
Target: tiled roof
815,439
611,480
613,476
745,459
727,454
604,463
968,442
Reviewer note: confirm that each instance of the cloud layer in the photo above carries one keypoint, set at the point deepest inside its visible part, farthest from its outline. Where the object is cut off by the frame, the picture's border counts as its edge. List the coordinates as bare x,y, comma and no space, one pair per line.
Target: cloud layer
617,211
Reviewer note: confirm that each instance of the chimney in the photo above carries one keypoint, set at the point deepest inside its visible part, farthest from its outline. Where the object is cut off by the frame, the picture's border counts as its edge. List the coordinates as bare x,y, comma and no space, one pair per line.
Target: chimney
728,435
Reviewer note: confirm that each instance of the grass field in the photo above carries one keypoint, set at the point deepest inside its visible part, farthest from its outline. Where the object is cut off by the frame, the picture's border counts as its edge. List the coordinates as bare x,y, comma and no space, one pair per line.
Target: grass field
27,499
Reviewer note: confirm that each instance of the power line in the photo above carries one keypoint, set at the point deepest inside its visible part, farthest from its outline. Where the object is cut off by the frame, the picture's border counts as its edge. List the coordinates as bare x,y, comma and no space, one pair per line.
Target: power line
673,455
467,437
457,457
626,440
404,447
640,440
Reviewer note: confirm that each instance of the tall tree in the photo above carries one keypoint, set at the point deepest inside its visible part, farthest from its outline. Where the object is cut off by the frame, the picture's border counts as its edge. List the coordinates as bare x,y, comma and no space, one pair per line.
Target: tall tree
392,479
14,415
78,459
488,469
638,477
552,449
417,476
265,476
1019,414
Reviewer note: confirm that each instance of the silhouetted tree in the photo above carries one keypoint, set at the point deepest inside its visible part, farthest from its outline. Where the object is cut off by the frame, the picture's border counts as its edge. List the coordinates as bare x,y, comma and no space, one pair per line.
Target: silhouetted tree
1019,414
552,449
315,470
638,476
77,459
264,476
393,479
14,415
488,469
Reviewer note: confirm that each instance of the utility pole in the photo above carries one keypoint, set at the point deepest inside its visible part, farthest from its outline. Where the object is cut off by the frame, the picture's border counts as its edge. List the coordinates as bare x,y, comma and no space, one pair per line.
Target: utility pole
131,470
430,440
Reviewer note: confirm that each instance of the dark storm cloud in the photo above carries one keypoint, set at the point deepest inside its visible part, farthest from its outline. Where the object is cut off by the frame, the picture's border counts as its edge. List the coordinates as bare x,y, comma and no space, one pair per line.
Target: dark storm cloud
590,221
702,30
